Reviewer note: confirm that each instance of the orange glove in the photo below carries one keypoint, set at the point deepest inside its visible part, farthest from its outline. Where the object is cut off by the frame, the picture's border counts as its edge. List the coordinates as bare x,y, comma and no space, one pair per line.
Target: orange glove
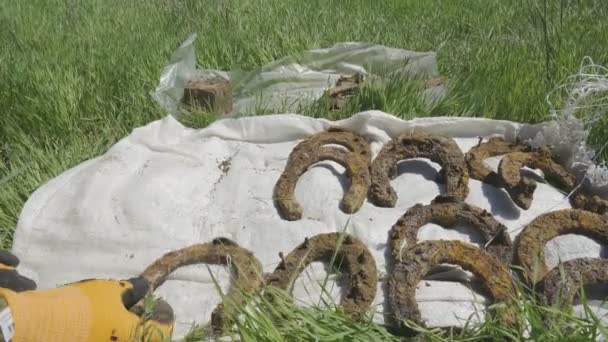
89,310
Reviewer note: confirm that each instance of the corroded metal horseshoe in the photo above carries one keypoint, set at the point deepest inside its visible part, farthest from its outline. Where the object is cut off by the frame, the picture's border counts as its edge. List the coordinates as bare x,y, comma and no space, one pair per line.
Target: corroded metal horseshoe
246,270
521,189
356,160
403,233
476,156
530,245
351,256
562,287
418,260
418,144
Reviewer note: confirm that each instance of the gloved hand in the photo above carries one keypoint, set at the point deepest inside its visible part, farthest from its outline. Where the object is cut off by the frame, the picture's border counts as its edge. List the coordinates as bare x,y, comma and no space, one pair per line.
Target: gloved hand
88,310
9,278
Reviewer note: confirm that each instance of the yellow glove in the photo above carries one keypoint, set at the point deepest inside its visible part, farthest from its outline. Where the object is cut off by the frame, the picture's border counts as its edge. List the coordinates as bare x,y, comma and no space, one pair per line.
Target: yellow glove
89,310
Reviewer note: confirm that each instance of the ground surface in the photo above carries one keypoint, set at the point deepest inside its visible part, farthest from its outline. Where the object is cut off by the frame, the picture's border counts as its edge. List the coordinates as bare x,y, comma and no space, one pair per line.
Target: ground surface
75,75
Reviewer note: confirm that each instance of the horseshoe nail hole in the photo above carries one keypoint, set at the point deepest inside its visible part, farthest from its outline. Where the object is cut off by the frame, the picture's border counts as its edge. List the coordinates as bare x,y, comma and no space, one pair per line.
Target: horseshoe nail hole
317,286
571,246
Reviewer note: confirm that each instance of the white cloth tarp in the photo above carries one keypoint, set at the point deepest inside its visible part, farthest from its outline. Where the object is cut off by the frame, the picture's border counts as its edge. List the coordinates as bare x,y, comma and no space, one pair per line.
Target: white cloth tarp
166,186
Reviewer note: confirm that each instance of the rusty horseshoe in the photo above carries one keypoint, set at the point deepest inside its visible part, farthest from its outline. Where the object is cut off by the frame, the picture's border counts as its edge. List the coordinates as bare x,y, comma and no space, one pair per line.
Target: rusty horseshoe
447,214
532,240
351,256
246,270
356,160
418,144
418,260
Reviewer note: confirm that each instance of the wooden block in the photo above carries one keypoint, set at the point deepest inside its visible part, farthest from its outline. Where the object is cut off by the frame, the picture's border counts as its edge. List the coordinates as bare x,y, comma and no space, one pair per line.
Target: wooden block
214,95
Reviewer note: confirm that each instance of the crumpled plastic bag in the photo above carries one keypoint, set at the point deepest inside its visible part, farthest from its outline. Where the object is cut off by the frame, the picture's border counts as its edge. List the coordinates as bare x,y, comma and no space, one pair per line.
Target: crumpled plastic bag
294,82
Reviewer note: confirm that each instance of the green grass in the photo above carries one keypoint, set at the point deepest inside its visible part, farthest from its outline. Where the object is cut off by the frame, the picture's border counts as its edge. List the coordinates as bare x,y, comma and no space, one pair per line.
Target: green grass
279,319
276,317
75,75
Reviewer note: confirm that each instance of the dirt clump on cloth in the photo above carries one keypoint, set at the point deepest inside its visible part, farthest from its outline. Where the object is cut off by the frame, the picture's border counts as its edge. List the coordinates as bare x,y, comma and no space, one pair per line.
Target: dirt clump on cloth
210,94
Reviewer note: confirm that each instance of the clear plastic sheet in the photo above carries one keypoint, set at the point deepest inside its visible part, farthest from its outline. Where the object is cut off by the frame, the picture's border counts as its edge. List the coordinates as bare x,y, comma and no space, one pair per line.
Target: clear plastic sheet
294,82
